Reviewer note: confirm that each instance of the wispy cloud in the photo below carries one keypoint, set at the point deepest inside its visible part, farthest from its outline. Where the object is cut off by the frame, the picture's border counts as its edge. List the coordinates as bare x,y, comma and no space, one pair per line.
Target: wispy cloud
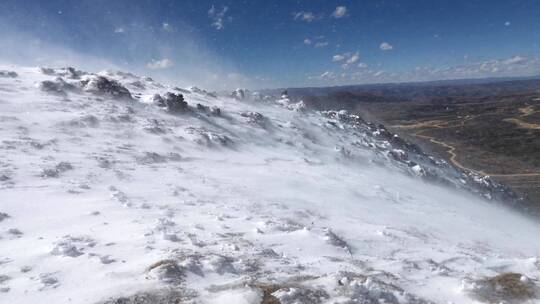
119,30
305,16
351,60
160,64
340,12
338,57
321,44
219,17
167,27
317,42
385,46
361,73
348,59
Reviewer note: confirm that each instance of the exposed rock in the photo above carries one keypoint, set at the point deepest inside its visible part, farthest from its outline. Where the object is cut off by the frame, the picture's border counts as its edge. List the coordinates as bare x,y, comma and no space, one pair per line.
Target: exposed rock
15,232
50,173
8,74
239,94
4,278
334,240
72,246
255,118
175,102
300,295
48,280
203,92
55,172
167,271
208,138
101,85
64,166
3,216
151,158
58,86
209,110
158,297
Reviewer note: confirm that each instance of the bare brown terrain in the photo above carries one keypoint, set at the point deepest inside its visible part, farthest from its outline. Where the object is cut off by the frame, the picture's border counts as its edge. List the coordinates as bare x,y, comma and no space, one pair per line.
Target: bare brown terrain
499,137
491,128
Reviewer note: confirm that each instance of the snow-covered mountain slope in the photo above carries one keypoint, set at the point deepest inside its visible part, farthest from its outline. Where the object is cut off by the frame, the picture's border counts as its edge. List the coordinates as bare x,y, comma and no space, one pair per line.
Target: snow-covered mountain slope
108,190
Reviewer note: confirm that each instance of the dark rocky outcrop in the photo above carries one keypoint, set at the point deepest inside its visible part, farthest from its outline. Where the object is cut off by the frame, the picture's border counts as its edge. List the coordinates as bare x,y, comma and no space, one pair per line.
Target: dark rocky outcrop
8,74
101,85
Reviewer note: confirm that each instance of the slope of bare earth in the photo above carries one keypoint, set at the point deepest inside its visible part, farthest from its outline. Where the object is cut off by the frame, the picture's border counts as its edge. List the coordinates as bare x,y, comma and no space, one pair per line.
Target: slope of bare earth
490,126
497,136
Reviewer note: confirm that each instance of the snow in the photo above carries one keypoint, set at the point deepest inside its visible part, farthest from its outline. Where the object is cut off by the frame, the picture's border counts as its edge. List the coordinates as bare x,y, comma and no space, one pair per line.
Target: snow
111,195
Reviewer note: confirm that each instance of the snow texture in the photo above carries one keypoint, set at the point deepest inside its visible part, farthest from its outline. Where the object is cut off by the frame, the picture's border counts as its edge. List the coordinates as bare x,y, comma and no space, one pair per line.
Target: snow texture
117,189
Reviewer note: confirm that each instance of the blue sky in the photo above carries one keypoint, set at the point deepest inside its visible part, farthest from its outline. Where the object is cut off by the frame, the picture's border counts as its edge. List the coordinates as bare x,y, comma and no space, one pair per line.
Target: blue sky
278,43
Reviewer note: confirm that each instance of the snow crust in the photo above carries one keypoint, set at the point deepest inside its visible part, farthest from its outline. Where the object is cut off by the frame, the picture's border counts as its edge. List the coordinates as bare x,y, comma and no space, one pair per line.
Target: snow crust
106,194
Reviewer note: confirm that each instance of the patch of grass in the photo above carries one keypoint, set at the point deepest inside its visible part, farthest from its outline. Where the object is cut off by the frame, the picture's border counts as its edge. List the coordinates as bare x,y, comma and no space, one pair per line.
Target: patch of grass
507,287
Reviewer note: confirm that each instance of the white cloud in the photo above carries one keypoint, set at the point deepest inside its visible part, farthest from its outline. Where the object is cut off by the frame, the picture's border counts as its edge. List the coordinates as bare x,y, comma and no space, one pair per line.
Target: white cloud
385,46
305,16
348,59
340,12
119,30
328,75
317,42
160,64
515,60
167,27
338,57
507,23
218,17
506,67
354,58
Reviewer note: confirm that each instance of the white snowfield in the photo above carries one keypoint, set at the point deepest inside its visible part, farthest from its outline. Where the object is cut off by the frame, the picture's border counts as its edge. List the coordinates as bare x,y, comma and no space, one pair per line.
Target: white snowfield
104,196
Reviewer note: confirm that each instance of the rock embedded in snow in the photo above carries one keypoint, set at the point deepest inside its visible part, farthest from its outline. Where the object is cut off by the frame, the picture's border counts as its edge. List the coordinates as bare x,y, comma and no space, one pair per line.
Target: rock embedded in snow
239,94
48,280
8,74
512,288
57,86
3,216
255,118
103,86
294,295
175,102
72,246
167,271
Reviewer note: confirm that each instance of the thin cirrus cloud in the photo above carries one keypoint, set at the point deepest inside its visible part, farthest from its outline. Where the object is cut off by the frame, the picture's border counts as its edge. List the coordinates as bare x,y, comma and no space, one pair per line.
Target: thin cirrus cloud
219,17
339,12
164,63
317,42
305,16
506,67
